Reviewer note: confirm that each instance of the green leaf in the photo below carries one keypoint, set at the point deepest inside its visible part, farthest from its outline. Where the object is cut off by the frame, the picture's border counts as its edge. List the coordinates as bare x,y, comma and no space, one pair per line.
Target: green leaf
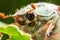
14,33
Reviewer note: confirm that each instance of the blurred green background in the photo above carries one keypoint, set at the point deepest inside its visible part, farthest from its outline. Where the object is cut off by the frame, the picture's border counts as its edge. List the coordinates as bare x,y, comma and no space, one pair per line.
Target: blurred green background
9,6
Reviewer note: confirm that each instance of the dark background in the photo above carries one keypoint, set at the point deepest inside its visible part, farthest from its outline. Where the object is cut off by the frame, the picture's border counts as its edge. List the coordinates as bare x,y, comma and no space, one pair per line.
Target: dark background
9,6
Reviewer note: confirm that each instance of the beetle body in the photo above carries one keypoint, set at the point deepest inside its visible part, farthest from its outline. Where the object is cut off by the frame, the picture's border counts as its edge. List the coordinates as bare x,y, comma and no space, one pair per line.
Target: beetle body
39,20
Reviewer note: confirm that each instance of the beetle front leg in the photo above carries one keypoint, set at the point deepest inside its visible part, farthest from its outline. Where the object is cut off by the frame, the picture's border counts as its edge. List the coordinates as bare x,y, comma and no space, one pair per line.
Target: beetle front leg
2,15
50,28
48,25
47,28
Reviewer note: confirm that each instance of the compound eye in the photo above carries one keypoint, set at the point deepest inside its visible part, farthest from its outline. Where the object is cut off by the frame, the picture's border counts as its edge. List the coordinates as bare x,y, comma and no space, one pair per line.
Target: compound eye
30,16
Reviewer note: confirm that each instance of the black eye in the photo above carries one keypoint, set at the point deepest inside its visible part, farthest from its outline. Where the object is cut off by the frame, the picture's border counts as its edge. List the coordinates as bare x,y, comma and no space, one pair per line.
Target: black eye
30,16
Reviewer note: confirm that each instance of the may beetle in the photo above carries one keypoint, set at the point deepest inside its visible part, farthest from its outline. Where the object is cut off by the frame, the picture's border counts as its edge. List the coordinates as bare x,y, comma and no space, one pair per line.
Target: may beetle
38,18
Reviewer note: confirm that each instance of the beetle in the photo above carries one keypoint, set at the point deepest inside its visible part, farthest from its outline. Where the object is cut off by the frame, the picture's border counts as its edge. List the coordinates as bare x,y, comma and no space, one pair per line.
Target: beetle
37,18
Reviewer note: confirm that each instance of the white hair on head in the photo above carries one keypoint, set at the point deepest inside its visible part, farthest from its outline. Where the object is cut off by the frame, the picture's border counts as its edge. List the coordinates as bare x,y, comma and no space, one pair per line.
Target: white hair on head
28,7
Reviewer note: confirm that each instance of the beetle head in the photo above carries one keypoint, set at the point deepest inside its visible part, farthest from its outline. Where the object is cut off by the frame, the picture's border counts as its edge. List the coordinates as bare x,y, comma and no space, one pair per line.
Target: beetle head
27,17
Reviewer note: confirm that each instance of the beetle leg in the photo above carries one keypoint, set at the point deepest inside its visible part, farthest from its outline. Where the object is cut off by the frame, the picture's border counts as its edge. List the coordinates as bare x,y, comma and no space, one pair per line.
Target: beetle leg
46,37
2,15
58,10
50,28
47,28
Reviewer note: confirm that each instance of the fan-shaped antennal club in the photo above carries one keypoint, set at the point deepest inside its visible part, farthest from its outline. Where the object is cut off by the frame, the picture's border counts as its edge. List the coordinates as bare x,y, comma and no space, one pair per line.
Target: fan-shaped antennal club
33,6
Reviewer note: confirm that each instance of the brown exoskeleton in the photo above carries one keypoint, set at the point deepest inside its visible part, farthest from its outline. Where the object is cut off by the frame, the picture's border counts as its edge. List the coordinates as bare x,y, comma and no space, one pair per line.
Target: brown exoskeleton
38,19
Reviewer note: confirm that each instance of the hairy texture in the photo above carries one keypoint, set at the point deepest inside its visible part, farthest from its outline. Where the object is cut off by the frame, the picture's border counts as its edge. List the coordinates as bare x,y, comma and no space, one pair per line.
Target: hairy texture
40,27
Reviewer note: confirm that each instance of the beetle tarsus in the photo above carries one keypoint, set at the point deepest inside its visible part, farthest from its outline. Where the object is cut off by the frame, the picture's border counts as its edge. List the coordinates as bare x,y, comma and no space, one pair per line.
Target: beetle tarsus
2,15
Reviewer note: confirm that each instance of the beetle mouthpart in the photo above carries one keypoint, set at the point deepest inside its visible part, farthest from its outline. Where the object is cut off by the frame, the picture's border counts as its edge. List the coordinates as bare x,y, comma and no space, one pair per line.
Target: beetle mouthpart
20,19
22,23
31,24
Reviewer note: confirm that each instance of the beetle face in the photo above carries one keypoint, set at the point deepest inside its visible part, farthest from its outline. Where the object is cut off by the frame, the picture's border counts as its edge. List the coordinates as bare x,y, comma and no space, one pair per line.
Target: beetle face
26,18
19,19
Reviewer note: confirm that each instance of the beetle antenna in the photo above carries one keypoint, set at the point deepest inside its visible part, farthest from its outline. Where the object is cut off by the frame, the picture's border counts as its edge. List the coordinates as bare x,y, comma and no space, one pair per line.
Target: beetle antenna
33,6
